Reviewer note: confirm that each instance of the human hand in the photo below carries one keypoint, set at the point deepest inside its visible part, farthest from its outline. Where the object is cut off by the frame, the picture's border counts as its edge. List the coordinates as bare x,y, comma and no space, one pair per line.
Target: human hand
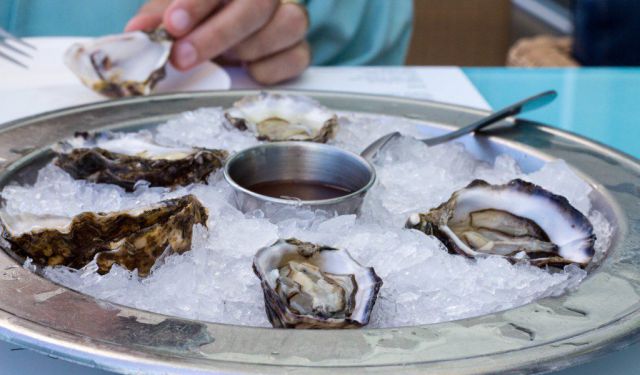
266,35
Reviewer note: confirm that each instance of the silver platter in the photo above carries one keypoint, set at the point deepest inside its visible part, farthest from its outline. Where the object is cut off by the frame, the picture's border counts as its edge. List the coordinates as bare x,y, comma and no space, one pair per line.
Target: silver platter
603,314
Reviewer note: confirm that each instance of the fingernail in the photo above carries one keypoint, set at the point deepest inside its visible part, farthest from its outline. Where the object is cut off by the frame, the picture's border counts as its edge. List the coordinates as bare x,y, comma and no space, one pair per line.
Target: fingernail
186,54
180,19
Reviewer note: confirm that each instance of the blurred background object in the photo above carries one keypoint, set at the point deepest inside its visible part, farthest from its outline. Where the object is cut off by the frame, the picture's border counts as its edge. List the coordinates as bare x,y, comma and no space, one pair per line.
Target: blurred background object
607,32
460,32
526,33
542,51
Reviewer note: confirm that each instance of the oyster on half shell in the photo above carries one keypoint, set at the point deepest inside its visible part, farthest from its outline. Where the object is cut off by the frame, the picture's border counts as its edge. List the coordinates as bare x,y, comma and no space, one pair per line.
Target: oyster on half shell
520,221
311,286
278,117
124,159
133,239
121,65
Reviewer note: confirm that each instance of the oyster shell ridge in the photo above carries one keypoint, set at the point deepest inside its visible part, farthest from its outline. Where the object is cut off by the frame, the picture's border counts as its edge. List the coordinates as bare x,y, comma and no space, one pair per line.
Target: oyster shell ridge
281,316
431,222
123,237
321,135
99,165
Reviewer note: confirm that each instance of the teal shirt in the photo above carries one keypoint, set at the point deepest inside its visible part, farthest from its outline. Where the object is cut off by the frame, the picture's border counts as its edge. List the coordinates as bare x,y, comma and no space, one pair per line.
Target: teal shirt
66,17
359,32
342,32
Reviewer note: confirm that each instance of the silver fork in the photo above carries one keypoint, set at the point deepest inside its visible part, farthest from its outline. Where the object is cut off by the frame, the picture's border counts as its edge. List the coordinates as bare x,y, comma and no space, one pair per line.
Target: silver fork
7,49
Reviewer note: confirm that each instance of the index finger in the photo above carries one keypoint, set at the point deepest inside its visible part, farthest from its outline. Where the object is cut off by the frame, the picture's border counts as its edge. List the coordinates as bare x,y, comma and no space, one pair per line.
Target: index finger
148,17
226,28
182,16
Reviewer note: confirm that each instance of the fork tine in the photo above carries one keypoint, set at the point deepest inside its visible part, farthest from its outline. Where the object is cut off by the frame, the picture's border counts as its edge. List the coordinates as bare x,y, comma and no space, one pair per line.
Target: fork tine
8,46
7,57
5,34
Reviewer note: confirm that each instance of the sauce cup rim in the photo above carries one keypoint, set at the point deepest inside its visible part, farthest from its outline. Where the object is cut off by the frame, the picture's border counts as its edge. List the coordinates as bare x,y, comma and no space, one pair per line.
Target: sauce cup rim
300,202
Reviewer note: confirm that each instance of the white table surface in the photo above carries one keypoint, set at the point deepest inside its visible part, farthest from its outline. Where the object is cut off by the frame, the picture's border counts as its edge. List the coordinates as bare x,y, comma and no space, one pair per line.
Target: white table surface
48,85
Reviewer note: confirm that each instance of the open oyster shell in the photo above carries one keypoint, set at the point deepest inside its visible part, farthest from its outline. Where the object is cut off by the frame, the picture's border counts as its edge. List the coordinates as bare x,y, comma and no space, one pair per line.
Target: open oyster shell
519,221
121,65
123,160
277,117
133,239
311,286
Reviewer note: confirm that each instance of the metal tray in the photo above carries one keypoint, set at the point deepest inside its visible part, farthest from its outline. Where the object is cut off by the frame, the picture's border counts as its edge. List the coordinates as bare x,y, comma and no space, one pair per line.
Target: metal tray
601,315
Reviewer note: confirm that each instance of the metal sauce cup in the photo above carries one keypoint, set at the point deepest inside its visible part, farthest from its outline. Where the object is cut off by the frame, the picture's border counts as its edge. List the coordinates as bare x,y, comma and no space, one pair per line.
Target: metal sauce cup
304,162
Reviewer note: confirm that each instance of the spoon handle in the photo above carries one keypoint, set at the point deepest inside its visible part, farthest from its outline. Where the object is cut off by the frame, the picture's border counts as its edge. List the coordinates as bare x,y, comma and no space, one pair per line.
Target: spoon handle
528,104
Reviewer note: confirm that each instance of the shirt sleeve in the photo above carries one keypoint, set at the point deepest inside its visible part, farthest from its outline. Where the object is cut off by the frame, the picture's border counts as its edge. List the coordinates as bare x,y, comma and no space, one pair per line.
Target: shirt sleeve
359,32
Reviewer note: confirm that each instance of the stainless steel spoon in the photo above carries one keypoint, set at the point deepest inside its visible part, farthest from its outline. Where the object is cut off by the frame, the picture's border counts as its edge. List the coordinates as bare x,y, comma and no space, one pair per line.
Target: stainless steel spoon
528,104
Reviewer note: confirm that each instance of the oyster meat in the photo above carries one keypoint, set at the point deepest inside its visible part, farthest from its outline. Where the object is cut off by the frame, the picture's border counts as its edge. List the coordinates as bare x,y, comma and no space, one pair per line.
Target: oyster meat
278,117
311,286
133,239
520,221
121,65
124,159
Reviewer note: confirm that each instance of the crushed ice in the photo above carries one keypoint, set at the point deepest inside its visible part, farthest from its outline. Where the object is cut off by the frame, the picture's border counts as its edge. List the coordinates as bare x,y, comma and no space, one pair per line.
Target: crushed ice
215,282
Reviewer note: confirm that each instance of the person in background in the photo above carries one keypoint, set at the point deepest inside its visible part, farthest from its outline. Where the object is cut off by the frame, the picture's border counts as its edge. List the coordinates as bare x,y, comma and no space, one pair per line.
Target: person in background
607,32
275,40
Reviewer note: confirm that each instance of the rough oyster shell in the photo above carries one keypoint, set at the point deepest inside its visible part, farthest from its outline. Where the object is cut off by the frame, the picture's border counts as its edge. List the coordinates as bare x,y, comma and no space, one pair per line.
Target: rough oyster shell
311,286
133,239
277,117
519,221
124,160
121,65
